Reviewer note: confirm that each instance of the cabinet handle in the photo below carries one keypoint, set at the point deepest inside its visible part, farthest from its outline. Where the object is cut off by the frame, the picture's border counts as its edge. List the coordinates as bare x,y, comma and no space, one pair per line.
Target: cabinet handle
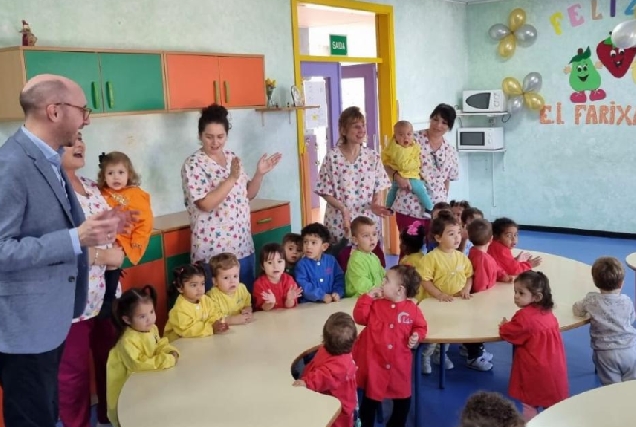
96,98
110,95
227,91
264,221
216,92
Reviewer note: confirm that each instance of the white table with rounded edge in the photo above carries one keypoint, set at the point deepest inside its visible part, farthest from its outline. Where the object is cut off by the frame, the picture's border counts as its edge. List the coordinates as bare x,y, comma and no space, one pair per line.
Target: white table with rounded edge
608,406
242,378
630,260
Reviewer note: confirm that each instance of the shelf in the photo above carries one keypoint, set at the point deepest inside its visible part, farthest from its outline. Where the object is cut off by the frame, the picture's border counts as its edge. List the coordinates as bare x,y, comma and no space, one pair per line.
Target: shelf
503,150
462,114
289,110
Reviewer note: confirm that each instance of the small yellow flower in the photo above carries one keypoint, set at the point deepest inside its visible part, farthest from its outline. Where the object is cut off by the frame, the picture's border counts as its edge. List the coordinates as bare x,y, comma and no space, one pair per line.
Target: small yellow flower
270,83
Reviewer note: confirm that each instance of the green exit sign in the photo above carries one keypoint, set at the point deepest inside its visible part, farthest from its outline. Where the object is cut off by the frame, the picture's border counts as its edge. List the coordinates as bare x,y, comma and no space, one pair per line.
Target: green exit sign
338,44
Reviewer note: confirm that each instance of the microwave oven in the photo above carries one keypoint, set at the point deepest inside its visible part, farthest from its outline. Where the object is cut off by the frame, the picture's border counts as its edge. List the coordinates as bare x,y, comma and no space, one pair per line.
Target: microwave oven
483,101
473,139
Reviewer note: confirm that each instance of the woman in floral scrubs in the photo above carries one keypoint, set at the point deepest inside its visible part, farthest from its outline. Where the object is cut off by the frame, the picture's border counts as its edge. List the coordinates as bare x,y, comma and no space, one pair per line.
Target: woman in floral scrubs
439,168
92,332
351,178
217,192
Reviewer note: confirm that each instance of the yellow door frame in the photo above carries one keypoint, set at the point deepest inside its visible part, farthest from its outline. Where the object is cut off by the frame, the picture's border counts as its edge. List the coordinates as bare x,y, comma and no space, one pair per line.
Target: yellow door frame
387,103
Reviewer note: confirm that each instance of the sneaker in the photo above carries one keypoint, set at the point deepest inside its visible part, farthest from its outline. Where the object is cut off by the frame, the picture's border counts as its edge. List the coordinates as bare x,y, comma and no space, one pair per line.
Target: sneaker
487,356
447,362
426,365
463,351
479,364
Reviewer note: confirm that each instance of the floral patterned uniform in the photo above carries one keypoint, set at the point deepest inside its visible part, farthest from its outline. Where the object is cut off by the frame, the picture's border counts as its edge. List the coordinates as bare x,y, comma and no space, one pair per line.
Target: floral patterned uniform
93,204
227,227
354,184
437,167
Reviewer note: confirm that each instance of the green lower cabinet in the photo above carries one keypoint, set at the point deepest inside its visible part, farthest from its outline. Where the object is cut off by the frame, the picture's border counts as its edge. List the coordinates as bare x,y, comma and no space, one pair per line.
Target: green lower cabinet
270,236
154,251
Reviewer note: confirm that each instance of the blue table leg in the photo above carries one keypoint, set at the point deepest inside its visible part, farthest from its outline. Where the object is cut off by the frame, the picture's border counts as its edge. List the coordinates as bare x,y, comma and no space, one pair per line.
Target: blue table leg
417,384
442,366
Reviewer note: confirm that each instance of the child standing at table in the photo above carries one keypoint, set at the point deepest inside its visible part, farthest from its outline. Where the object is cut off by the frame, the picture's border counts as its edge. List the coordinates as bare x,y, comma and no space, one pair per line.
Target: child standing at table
538,378
431,243
318,273
394,326
293,246
139,347
488,409
505,232
274,288
192,313
468,216
411,244
457,208
332,371
364,270
231,300
612,336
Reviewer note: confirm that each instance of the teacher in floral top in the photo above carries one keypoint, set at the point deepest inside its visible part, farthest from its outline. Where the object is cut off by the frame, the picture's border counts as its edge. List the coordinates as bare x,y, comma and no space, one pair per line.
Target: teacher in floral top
351,179
439,168
217,192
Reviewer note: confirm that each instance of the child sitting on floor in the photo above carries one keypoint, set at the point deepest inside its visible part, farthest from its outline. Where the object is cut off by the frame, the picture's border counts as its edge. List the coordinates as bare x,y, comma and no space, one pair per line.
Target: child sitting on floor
402,154
192,315
468,216
318,273
505,233
394,325
293,246
612,336
332,370
364,271
274,288
232,301
488,409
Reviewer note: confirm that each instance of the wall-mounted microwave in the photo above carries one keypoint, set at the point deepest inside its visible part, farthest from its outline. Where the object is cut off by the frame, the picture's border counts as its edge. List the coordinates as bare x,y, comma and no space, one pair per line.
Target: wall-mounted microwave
487,139
483,101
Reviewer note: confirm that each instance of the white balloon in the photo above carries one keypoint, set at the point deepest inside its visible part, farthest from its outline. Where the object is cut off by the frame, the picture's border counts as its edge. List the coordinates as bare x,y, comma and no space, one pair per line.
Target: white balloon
624,35
526,34
498,31
515,104
532,82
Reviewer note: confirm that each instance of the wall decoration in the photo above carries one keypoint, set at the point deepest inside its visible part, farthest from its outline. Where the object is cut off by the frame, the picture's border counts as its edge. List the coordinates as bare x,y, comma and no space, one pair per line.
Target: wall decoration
576,18
617,60
28,38
516,31
584,77
624,35
526,94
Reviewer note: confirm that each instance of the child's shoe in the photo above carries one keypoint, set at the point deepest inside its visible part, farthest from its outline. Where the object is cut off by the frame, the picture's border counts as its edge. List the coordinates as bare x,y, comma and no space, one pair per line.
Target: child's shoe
426,365
487,356
479,364
463,351
447,362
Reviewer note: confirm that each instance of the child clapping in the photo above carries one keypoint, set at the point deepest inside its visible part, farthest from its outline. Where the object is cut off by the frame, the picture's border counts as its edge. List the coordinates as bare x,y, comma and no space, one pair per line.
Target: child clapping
274,288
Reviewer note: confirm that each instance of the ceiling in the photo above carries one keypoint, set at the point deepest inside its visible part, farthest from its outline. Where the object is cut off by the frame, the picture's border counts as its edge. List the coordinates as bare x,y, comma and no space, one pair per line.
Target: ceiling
312,16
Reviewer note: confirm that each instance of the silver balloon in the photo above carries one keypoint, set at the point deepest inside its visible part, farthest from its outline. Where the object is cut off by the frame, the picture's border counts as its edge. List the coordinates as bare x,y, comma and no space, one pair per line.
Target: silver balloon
624,35
532,82
515,104
526,34
498,31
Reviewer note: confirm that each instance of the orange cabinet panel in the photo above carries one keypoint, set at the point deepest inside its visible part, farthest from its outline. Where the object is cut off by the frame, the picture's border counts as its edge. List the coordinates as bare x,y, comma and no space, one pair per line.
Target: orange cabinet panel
268,219
150,273
242,80
176,242
193,81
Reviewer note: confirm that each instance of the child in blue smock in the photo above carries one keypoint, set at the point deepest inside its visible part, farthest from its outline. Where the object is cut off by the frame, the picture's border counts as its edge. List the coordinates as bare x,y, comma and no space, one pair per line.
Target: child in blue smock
318,273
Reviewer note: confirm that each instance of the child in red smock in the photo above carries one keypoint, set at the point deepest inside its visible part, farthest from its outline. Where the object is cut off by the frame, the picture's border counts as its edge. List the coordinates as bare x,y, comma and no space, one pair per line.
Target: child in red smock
505,232
332,371
394,326
539,377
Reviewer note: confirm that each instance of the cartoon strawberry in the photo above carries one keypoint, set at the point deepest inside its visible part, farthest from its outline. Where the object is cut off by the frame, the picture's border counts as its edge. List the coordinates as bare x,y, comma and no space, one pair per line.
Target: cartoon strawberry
617,61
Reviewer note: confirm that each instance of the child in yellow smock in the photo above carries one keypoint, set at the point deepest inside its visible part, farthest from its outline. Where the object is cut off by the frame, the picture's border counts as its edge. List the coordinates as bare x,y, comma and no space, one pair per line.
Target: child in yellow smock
402,154
231,299
193,313
411,246
139,347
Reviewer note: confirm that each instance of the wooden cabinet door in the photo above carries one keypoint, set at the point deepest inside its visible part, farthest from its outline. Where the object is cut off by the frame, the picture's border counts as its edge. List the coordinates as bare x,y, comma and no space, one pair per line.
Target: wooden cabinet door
242,81
81,67
132,82
192,80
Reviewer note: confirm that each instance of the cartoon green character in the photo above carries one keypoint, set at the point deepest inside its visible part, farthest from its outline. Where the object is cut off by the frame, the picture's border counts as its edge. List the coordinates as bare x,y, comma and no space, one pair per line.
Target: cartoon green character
584,77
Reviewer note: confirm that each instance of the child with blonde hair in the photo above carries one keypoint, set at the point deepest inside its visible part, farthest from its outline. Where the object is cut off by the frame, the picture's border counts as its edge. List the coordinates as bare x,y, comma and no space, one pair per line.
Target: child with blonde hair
232,301
139,347
402,154
364,269
612,336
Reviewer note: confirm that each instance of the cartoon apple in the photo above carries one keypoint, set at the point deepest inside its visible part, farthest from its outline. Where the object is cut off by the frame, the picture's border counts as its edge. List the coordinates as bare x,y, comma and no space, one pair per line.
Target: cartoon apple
584,77
617,61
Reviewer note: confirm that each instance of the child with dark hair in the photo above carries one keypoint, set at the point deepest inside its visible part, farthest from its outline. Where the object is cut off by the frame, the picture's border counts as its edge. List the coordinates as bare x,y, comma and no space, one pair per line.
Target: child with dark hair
274,288
505,236
293,250
332,371
488,409
139,347
457,208
431,243
539,377
612,336
411,246
468,216
394,326
318,273
364,271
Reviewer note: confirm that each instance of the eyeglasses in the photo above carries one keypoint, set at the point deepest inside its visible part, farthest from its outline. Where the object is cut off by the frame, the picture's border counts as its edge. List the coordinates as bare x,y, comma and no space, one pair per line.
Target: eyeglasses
85,110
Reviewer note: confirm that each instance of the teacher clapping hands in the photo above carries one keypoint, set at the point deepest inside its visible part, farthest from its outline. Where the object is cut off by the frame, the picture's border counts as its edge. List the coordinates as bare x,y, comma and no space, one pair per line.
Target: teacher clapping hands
217,193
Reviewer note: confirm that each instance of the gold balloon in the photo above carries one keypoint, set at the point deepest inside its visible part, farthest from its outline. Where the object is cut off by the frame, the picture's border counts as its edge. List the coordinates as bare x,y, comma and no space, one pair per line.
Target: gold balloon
534,101
511,86
516,19
507,46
